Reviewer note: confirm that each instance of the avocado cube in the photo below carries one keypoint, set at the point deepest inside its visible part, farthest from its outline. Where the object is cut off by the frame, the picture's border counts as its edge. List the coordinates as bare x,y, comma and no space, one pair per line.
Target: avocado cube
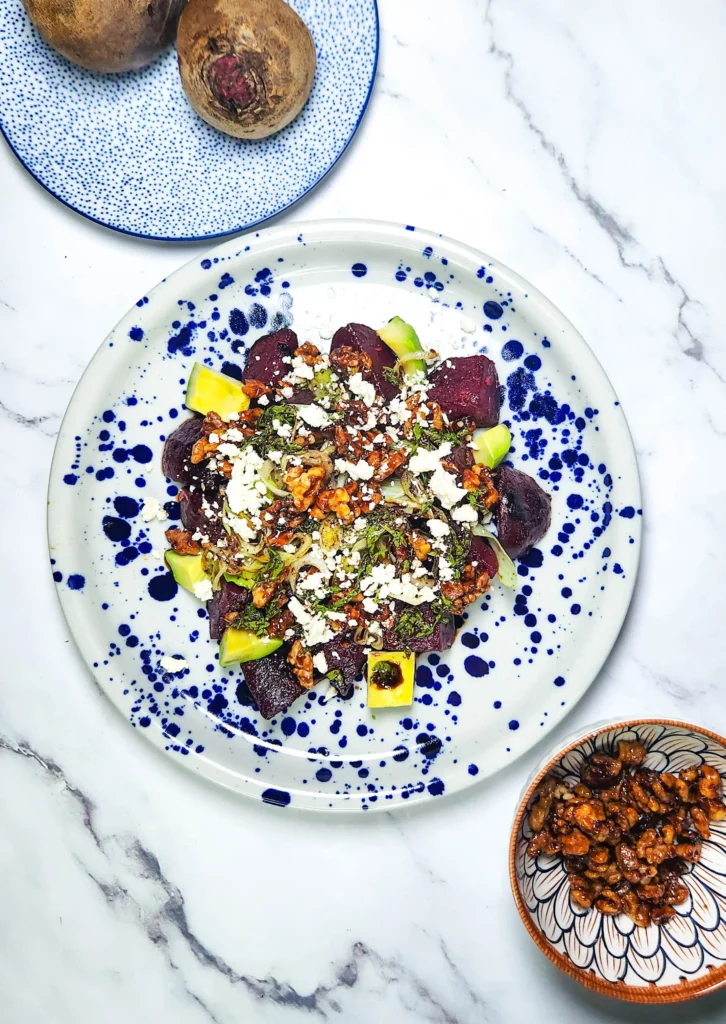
390,679
209,391
491,446
187,570
404,343
241,645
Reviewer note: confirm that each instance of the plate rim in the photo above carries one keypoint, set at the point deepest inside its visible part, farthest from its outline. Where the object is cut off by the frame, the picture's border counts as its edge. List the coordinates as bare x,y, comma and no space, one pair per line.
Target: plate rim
242,227
330,230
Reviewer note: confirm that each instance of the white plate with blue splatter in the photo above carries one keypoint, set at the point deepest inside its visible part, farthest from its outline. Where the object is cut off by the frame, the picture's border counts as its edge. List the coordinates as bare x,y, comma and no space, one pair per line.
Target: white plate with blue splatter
521,660
128,151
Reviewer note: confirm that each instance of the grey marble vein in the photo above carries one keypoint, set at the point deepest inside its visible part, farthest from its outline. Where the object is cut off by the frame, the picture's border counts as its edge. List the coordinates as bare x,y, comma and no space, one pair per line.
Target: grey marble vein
29,422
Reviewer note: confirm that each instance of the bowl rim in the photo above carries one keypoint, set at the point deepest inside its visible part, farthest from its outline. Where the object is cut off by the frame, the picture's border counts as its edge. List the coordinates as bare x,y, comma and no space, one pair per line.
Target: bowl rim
651,993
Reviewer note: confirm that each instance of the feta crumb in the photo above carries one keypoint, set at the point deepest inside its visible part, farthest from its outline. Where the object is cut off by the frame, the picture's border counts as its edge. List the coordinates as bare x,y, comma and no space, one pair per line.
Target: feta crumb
465,514
446,489
313,415
203,590
363,389
320,663
242,492
437,528
152,509
173,663
467,324
263,400
369,605
426,462
357,471
315,628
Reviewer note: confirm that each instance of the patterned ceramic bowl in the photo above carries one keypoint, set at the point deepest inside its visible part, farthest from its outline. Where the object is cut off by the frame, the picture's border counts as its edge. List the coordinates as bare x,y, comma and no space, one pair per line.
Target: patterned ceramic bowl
682,959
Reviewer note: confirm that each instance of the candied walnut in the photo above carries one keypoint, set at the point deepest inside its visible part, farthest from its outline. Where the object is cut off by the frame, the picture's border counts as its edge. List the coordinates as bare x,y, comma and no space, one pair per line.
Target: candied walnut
588,816
715,810
347,358
689,774
539,812
279,540
249,416
281,514
628,862
575,843
626,817
659,915
600,771
543,842
700,822
651,892
709,783
304,484
388,465
202,449
631,752
464,591
421,547
280,624
636,911
262,592
213,424
580,892
608,902
674,891
309,354
598,856
181,542
301,661
690,851
255,389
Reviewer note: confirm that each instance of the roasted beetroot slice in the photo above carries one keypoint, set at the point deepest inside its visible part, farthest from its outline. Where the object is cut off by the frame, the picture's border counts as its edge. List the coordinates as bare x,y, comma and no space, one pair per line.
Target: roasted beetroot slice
177,452
265,359
193,519
272,683
482,556
344,654
441,639
523,513
365,339
467,386
229,598
461,457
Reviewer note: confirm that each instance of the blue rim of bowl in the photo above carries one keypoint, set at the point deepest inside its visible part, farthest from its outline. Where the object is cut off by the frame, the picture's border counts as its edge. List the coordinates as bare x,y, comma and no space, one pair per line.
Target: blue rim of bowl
241,227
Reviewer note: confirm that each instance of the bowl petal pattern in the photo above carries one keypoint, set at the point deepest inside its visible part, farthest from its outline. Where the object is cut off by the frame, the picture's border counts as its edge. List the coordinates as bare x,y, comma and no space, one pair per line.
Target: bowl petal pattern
688,954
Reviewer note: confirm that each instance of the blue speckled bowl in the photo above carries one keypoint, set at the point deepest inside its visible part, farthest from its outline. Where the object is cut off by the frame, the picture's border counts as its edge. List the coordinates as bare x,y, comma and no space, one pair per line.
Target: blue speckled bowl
521,660
129,151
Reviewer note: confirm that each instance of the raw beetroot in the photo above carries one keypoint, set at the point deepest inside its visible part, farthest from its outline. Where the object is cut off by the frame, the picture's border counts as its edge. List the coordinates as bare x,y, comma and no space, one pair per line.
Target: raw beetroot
523,513
272,683
365,339
467,386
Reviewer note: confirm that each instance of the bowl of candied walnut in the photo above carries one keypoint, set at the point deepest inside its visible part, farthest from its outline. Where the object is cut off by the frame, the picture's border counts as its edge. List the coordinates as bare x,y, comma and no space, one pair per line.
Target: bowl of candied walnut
618,860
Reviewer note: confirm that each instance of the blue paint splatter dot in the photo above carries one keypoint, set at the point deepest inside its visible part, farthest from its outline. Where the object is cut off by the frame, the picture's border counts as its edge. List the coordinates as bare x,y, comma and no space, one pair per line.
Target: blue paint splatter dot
278,797
136,334
76,581
323,775
627,513
359,270
436,787
473,769
476,666
493,310
514,725
512,350
70,479
559,681
533,363
163,587
142,453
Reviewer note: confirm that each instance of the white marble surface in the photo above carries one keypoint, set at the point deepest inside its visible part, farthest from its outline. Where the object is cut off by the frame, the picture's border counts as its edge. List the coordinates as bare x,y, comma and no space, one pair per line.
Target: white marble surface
581,143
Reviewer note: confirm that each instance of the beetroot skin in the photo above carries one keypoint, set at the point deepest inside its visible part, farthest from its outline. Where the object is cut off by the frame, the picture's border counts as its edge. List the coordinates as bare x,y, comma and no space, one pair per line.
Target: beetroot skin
365,339
265,359
523,513
344,654
175,459
467,386
441,639
272,683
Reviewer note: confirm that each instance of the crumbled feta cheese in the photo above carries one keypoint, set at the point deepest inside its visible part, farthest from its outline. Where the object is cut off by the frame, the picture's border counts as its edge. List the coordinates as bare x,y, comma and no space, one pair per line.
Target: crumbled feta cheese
426,462
274,456
152,509
446,573
445,487
243,496
173,663
315,628
313,415
369,605
320,663
263,400
282,429
437,528
357,471
233,434
464,514
467,324
241,527
203,590
363,389
301,370
287,392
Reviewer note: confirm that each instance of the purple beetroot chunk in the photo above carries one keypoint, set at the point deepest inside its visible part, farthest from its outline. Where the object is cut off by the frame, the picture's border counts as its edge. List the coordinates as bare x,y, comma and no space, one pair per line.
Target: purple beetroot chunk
193,519
175,459
461,457
482,556
467,386
365,339
523,513
229,598
272,683
344,654
441,639
265,359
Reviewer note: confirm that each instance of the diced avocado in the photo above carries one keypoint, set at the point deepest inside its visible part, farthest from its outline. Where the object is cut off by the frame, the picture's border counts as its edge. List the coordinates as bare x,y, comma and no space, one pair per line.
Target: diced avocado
491,446
390,679
186,569
209,391
241,645
404,343
241,581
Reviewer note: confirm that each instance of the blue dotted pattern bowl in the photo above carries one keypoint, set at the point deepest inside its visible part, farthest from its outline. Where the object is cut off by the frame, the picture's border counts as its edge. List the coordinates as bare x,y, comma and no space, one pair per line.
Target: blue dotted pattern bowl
522,659
129,151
